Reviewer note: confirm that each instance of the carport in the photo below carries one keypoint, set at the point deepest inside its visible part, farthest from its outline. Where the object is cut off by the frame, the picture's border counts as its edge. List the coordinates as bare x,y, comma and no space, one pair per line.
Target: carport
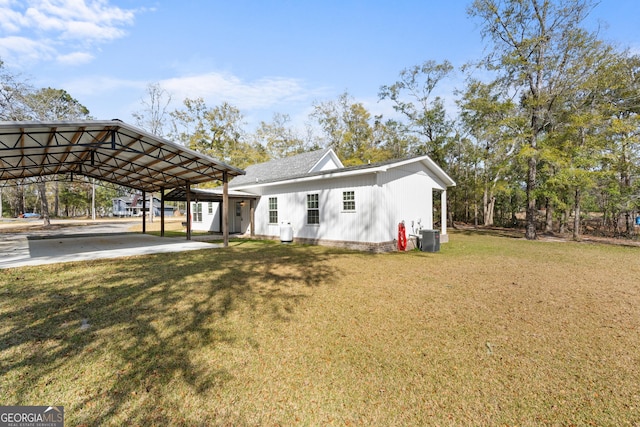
111,151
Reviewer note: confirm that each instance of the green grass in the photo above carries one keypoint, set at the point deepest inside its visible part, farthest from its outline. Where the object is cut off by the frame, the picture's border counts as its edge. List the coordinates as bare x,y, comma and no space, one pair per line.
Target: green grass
489,331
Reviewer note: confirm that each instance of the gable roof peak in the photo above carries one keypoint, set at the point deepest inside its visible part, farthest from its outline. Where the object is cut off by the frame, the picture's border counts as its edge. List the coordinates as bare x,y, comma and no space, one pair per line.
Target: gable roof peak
300,164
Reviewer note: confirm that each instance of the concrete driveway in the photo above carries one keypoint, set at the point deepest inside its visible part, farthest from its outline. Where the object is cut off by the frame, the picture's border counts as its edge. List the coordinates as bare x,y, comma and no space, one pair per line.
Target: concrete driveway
85,242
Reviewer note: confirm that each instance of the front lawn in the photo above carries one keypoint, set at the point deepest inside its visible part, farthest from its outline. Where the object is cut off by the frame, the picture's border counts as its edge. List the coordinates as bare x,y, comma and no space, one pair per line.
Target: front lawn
489,331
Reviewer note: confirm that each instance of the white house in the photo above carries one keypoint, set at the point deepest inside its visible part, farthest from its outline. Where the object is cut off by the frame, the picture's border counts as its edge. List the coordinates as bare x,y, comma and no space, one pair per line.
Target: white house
323,202
132,206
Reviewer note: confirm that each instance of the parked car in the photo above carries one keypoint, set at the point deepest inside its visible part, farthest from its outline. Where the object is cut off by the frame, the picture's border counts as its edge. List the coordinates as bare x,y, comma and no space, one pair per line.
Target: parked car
30,215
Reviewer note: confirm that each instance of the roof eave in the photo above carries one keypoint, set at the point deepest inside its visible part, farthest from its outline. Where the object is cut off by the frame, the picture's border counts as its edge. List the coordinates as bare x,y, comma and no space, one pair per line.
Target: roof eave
431,165
315,177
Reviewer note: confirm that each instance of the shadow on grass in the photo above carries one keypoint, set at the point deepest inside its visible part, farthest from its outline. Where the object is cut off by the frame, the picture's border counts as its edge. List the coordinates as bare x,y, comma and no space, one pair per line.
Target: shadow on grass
149,315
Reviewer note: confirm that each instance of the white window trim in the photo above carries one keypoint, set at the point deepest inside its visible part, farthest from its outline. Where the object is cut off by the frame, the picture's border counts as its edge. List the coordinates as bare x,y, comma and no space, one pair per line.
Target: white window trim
306,201
269,210
355,206
197,212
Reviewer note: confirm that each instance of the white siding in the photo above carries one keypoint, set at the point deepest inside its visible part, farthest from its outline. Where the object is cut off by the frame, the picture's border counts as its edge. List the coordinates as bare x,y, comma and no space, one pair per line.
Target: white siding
210,222
335,223
409,192
383,199
408,196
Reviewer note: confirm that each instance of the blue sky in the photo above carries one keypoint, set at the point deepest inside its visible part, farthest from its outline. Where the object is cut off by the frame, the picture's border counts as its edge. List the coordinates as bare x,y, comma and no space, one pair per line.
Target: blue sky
261,56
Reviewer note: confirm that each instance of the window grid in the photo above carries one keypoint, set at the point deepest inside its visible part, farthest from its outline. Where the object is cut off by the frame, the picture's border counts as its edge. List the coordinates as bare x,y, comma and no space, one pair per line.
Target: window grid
197,212
273,210
313,209
348,200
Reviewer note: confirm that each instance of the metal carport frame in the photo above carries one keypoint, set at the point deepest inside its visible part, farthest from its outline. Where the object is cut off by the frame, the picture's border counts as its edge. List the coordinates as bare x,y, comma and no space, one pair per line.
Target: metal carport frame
107,150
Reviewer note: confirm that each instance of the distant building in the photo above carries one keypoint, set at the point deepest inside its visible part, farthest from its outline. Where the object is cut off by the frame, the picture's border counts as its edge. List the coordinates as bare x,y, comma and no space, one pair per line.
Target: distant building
132,206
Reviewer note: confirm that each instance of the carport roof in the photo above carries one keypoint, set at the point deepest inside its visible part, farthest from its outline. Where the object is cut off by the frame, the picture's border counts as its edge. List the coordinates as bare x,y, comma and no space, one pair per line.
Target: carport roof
108,150
204,195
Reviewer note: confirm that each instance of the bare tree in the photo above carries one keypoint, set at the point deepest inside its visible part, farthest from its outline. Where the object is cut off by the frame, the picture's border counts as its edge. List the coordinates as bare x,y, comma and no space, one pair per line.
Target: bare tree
154,114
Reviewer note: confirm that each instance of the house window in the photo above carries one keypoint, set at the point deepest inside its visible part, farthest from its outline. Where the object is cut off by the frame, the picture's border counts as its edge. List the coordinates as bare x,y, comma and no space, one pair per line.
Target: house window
273,210
349,201
197,212
313,209
210,208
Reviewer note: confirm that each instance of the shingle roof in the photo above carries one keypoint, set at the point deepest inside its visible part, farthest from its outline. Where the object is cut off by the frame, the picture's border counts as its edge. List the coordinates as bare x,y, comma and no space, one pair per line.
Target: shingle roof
300,166
279,169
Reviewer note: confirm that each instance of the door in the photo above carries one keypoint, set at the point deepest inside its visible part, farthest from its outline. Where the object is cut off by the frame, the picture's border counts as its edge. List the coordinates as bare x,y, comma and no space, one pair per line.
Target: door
236,223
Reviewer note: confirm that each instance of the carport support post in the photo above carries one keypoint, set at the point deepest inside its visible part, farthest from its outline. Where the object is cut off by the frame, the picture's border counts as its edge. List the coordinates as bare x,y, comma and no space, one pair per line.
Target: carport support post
188,193
144,212
162,212
225,208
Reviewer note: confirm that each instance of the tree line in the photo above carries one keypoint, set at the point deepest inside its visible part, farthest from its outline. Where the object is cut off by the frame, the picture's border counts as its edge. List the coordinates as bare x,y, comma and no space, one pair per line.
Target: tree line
548,135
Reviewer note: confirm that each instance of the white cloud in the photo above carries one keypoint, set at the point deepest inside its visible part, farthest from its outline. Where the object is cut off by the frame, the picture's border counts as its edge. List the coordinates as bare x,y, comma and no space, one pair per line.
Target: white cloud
84,10
109,97
12,20
215,88
24,50
102,85
34,18
77,20
63,27
78,30
75,58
